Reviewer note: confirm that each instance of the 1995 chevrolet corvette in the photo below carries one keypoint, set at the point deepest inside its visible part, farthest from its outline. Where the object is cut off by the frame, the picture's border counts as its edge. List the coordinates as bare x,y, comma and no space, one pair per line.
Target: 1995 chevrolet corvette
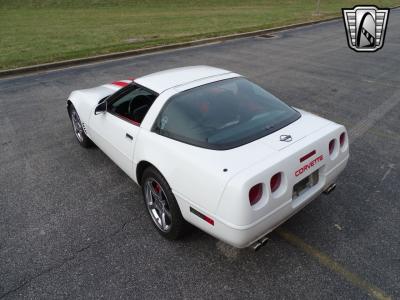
211,148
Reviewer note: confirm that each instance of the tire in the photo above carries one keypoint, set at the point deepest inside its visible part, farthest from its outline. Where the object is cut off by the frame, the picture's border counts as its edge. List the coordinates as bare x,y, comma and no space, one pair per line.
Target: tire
159,199
77,127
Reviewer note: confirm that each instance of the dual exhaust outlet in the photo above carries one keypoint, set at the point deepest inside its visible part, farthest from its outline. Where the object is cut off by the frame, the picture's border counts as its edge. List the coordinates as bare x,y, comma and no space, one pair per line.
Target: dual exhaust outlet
261,242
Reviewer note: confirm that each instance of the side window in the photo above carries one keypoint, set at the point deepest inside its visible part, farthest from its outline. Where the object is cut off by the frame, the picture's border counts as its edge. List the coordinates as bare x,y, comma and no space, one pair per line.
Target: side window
133,104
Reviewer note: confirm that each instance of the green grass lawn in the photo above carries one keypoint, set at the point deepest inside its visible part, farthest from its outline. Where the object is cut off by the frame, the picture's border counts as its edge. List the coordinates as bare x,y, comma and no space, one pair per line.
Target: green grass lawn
38,31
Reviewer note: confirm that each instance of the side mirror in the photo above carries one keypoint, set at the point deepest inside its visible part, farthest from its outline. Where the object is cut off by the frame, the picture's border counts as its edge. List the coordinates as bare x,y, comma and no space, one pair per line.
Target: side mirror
101,108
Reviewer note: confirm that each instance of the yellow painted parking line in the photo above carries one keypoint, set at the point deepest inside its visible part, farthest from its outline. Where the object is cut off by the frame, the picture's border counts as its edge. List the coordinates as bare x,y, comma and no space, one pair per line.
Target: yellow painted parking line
328,262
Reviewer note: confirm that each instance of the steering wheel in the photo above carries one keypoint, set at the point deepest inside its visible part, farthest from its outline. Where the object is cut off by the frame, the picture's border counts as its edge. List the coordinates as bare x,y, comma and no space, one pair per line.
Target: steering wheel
142,99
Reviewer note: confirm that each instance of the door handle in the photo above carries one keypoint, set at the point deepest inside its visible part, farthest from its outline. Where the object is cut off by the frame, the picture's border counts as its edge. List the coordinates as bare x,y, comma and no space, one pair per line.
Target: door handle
129,136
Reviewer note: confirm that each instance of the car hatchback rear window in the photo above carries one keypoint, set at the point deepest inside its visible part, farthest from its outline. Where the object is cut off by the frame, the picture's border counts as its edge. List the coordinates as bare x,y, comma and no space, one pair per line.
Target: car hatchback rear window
223,115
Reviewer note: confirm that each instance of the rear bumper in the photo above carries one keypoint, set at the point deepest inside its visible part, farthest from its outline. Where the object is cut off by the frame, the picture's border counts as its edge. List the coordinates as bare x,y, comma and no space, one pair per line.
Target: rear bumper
244,236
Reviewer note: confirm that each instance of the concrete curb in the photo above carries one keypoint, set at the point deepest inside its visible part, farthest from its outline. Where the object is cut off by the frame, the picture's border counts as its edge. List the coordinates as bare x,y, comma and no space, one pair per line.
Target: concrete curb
105,57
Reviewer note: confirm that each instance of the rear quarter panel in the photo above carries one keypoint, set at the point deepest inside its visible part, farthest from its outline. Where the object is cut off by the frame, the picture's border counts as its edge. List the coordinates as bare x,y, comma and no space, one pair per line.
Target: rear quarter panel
194,174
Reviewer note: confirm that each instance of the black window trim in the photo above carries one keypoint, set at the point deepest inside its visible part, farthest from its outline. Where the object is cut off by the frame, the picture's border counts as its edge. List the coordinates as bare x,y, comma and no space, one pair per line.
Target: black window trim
121,93
245,141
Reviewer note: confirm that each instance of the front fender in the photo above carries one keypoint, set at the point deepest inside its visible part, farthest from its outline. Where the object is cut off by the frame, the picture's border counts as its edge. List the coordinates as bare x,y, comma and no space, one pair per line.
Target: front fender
85,101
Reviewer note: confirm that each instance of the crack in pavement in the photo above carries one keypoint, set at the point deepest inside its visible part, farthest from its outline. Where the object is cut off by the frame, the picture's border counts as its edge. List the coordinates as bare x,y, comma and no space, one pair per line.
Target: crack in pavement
64,261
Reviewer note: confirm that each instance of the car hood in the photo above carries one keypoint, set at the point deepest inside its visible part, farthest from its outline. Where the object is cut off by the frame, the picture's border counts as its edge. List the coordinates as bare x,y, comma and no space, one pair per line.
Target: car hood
86,100
95,94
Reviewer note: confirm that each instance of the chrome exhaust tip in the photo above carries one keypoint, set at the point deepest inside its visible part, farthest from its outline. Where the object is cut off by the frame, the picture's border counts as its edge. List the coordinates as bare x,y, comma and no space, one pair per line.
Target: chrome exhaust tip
330,188
256,246
264,240
261,242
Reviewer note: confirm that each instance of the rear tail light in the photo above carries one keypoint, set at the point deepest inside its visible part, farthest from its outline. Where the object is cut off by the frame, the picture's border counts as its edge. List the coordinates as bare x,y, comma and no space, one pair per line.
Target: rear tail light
342,139
255,193
331,146
275,182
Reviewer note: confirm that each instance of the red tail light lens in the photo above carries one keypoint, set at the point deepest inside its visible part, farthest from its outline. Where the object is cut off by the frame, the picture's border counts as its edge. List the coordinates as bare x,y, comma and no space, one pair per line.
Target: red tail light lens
331,146
255,193
342,139
275,182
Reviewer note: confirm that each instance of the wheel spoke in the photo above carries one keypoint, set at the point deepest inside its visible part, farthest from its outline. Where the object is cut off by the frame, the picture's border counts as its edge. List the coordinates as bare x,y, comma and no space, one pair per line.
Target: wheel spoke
149,193
156,195
151,204
168,214
163,222
148,185
151,187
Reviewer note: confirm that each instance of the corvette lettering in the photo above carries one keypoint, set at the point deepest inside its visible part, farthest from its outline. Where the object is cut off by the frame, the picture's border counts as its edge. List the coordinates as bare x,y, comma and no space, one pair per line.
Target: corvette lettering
309,165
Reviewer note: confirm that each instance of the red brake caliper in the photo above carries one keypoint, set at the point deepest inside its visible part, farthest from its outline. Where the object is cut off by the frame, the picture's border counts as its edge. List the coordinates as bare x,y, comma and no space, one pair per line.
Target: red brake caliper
157,188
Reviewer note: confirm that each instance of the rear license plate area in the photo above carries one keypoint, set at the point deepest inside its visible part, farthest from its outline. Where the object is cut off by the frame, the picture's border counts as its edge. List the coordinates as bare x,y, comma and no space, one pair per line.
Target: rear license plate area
305,184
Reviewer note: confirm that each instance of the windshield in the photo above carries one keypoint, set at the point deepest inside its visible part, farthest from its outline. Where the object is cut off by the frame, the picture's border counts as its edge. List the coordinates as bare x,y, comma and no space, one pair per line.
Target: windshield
223,115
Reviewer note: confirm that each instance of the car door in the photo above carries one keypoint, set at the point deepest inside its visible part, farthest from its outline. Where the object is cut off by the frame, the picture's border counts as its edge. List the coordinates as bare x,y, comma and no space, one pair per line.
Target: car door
115,130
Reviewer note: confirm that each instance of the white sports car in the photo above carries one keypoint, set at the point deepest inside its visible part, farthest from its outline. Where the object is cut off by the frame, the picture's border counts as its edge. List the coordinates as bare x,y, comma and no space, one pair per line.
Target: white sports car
211,148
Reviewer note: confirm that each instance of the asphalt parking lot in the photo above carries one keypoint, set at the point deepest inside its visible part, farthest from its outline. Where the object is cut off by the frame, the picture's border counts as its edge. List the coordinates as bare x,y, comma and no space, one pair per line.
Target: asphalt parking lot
73,225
